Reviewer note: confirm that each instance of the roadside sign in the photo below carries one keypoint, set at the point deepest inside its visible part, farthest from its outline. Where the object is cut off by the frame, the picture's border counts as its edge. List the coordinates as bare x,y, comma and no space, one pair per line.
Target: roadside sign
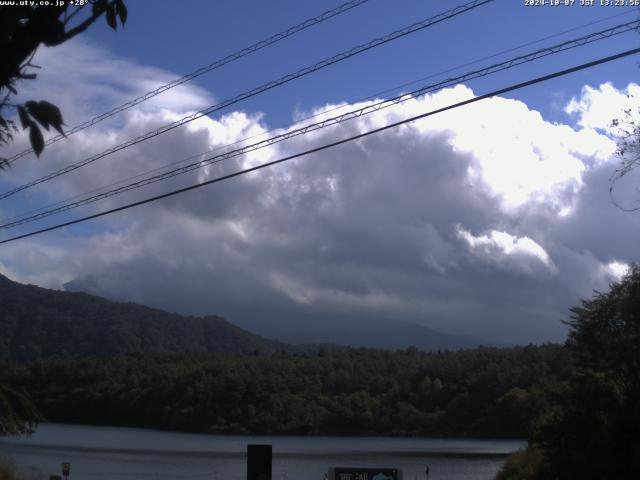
364,473
66,468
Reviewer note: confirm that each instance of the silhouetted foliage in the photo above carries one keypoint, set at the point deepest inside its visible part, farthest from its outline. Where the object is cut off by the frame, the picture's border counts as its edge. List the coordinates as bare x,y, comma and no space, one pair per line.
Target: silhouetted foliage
593,432
17,412
8,471
23,28
628,151
520,465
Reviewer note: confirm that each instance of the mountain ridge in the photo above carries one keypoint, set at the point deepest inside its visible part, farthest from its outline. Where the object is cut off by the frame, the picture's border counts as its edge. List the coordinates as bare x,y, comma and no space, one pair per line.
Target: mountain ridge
392,338
39,323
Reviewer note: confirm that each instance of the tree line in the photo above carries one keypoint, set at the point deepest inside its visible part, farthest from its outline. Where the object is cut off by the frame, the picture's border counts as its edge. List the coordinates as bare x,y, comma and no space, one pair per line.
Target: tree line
489,392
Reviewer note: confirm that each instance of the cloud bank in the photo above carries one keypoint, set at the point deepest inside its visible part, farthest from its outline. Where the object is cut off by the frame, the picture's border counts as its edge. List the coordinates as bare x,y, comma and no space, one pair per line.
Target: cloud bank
485,220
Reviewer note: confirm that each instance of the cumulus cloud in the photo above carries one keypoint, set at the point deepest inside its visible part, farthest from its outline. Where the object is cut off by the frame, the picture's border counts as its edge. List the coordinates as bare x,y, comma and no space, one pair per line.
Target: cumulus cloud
616,269
597,107
486,220
498,245
611,111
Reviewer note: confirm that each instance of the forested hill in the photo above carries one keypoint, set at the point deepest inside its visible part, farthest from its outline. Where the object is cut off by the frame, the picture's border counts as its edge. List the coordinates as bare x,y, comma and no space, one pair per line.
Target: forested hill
37,323
494,392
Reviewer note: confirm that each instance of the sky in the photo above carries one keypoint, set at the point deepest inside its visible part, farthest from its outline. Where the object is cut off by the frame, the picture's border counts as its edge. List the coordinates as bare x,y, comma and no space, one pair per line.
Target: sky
489,220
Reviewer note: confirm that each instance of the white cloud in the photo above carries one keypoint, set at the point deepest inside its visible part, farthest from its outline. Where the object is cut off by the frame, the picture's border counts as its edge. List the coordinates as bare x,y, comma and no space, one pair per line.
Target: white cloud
616,269
596,108
100,82
522,158
499,244
374,229
518,156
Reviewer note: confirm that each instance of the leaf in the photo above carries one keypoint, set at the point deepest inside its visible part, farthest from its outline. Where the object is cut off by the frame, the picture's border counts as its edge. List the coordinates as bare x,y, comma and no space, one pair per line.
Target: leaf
46,114
122,11
33,108
24,117
98,6
111,16
36,139
53,114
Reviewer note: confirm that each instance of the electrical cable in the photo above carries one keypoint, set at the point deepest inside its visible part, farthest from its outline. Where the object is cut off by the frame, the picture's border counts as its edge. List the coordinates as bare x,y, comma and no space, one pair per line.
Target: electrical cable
202,70
522,59
323,112
502,52
267,86
500,91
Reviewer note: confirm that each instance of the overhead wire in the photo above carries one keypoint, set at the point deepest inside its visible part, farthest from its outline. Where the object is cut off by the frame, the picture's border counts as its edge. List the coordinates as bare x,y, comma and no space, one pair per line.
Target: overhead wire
508,50
485,96
257,90
356,113
323,112
320,113
201,71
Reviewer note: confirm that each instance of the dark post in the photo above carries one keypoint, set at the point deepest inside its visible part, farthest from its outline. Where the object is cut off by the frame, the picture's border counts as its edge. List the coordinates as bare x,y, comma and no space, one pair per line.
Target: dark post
259,462
66,470
427,472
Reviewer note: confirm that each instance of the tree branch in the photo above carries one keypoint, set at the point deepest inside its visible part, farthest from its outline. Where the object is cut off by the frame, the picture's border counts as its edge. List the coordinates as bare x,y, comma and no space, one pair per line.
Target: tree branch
97,12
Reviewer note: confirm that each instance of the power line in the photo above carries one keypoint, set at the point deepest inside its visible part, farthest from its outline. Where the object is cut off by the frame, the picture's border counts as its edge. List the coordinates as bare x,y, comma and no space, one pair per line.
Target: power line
517,61
333,144
267,86
509,50
202,70
32,212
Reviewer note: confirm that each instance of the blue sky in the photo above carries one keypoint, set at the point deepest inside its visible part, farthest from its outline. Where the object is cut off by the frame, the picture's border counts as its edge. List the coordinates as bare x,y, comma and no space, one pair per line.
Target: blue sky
180,39
490,220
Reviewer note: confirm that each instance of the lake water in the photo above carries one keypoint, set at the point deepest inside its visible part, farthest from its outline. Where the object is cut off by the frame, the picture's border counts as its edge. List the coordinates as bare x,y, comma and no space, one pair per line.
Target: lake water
112,453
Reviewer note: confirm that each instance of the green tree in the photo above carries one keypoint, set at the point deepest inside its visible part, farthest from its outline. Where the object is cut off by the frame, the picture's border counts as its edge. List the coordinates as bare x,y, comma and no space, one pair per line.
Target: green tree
23,28
593,433
521,465
17,412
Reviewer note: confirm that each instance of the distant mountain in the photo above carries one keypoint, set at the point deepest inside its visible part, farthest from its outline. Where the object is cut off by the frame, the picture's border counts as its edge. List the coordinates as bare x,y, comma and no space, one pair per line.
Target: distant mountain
392,338
37,323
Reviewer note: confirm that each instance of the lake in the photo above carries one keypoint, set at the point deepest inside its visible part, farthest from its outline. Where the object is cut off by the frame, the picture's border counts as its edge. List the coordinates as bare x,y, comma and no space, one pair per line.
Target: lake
114,453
